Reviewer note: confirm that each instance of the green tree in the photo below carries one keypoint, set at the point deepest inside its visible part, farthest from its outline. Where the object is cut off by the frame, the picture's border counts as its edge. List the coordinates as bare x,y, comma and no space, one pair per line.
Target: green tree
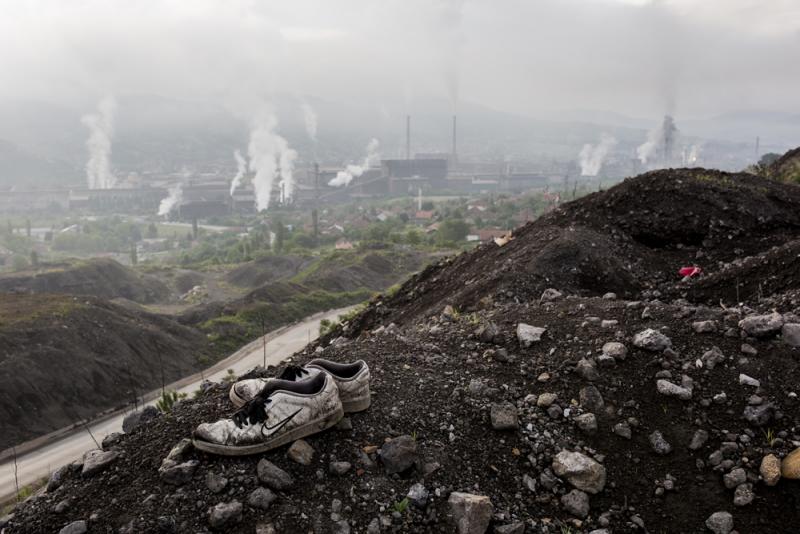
28,227
152,231
427,205
134,254
34,258
452,231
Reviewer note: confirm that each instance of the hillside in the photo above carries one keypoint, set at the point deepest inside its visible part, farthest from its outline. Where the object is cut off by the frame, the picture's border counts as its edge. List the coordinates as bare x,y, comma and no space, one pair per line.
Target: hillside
65,358
670,406
97,277
787,168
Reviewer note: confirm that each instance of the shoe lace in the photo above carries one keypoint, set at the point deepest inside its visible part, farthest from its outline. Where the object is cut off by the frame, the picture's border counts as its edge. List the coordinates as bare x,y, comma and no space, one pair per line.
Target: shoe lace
254,411
293,372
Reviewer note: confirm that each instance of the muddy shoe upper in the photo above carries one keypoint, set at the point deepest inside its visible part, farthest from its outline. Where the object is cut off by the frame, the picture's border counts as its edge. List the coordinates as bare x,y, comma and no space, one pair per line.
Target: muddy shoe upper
282,412
352,380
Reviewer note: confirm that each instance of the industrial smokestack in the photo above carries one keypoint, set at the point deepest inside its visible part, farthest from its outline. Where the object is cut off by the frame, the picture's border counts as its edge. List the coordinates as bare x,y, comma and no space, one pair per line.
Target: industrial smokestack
455,153
408,136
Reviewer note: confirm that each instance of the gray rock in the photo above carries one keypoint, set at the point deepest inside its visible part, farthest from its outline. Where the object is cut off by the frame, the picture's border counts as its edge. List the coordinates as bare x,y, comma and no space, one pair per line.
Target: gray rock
166,524
591,400
720,523
261,498
57,478
517,527
546,399
529,482
177,474
110,440
576,503
555,411
61,507
273,476
790,333
418,495
712,357
339,468
759,415
471,513
587,370
587,423
748,381
734,478
749,350
301,452
659,444
762,325
180,449
585,473
623,430
698,439
225,514
399,454
665,387
96,460
215,483
136,419
504,416
76,527
616,350
651,340
743,495
703,327
374,526
487,332
527,335
550,294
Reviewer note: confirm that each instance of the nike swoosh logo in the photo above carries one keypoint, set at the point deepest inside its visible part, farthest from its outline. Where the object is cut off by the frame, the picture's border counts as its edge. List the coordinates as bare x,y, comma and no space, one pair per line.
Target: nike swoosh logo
277,426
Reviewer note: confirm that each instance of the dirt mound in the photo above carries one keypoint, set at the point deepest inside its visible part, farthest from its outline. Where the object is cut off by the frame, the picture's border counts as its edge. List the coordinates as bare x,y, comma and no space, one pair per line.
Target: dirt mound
267,269
97,277
787,168
66,358
630,240
440,381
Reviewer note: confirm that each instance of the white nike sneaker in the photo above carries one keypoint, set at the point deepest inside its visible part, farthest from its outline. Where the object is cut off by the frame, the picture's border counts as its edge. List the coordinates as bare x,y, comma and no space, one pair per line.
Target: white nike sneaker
281,413
352,379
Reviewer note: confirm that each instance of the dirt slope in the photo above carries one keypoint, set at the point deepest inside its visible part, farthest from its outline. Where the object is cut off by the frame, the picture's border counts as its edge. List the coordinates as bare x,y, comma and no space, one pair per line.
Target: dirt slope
98,277
631,239
671,414
65,358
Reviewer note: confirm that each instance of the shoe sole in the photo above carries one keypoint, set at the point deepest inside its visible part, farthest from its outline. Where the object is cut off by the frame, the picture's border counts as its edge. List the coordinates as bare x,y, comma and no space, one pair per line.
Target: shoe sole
352,406
312,427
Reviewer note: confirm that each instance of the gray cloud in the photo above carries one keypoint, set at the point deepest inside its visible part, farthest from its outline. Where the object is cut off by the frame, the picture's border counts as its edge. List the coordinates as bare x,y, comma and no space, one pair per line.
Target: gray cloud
633,56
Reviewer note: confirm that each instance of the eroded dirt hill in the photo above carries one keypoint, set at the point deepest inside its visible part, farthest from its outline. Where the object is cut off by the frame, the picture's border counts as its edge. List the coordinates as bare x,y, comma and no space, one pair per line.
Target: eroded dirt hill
65,358
97,277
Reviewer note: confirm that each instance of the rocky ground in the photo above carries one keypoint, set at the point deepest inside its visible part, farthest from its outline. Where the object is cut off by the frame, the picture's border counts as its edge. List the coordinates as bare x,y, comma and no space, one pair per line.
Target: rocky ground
512,392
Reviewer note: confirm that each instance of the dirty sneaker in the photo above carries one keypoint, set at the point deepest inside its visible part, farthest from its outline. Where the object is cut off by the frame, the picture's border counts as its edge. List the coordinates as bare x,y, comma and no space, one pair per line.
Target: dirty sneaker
352,379
281,413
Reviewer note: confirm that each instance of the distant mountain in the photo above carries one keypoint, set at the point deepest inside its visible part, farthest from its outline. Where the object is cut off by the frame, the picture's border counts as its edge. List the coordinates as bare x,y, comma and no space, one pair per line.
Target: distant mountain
18,167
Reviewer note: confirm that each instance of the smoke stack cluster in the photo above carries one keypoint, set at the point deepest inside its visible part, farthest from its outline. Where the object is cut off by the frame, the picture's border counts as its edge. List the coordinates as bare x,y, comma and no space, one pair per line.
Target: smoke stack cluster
408,136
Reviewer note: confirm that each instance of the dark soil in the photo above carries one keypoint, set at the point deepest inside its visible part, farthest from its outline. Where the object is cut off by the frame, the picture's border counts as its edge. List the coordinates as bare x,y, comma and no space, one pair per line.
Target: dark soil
436,374
266,270
66,358
98,277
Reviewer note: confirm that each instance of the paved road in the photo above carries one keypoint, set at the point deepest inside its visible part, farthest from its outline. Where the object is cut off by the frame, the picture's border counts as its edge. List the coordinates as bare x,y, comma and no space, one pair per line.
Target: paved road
40,462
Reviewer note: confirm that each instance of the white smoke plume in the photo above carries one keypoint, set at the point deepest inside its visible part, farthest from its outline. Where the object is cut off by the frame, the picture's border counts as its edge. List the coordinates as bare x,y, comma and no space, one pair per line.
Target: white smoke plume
270,154
372,159
592,157
173,199
658,151
101,129
310,119
241,169
694,155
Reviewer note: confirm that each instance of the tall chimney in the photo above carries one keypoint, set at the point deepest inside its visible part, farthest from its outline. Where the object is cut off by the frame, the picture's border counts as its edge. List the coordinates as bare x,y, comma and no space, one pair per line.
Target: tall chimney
408,136
455,153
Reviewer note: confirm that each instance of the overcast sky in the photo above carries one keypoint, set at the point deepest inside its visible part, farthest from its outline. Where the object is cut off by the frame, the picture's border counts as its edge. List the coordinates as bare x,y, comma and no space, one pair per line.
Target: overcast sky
638,57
